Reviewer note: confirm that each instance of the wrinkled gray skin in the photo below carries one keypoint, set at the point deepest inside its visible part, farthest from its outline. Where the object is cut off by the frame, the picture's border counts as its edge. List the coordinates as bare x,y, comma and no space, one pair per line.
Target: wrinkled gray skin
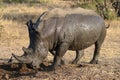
59,34
32,30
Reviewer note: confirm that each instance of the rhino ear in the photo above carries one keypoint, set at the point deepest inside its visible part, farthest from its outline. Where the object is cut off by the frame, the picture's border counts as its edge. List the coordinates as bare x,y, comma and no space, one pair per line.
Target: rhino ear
27,50
29,23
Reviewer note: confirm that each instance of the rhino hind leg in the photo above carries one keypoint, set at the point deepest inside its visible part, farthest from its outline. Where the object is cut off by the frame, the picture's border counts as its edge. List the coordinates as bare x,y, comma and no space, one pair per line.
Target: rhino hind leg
98,44
96,53
79,55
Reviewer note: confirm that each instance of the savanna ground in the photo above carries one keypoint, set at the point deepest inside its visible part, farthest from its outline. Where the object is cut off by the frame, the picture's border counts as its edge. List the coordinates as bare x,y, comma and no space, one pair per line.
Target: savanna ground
14,35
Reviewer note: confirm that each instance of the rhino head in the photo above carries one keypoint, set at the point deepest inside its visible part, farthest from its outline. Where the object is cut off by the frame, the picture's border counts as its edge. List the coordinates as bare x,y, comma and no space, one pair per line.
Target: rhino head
36,52
33,57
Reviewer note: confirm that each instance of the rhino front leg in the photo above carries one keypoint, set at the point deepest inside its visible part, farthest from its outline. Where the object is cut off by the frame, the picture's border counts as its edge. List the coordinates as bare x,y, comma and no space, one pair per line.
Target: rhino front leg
79,55
62,61
59,54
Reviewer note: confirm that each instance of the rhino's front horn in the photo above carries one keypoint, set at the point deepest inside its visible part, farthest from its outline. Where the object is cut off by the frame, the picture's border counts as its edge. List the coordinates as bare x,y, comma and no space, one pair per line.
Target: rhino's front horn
22,59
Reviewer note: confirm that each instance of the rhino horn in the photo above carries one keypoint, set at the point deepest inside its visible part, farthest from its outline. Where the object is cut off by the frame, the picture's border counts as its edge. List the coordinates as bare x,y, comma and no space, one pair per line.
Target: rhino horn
35,28
41,16
22,59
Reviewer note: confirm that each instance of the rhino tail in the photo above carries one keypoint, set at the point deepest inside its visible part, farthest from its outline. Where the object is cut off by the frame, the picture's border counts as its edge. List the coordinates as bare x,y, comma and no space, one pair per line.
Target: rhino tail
108,26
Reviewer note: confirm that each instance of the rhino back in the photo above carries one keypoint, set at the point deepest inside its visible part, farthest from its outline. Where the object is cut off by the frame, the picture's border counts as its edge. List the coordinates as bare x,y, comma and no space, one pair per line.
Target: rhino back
79,28
58,12
80,31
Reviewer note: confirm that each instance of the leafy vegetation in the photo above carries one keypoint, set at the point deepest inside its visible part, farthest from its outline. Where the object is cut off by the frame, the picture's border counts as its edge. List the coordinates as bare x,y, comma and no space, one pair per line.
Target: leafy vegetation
102,7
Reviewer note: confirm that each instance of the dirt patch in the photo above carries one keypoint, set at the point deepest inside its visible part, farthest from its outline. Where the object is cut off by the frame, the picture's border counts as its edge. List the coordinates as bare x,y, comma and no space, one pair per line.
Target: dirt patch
84,71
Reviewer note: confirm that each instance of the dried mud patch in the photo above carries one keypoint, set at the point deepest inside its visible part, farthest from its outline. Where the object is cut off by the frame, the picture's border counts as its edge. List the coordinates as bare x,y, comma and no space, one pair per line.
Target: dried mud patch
83,71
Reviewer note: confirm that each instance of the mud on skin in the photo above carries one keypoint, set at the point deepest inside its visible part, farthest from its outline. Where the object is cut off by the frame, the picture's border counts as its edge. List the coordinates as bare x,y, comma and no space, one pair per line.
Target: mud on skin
69,29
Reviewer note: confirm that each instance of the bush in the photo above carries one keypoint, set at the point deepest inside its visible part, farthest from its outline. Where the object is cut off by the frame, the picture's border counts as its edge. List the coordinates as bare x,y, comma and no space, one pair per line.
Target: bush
112,15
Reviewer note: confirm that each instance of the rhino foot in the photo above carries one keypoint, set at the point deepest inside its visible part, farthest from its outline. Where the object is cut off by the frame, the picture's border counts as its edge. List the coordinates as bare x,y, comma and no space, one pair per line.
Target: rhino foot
74,62
94,61
51,68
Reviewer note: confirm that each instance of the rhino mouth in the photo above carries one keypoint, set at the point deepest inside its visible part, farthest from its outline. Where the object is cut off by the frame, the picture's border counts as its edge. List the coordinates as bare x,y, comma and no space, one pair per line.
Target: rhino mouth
22,59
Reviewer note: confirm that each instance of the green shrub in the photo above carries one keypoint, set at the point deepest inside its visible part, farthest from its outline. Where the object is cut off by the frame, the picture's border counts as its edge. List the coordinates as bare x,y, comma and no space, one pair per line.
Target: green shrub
112,15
